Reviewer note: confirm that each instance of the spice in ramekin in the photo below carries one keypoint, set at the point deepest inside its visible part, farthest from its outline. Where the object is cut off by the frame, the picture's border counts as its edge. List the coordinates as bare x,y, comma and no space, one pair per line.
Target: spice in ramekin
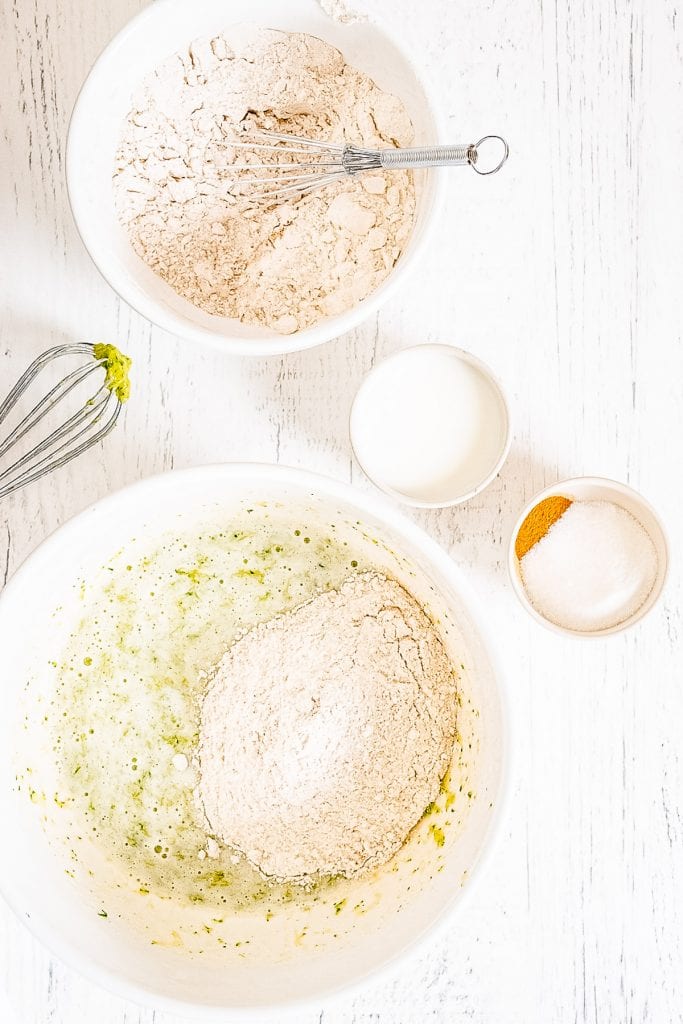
585,565
539,521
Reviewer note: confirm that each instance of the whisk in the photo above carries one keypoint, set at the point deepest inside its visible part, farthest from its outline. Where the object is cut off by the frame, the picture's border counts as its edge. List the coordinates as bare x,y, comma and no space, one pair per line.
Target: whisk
309,165
92,421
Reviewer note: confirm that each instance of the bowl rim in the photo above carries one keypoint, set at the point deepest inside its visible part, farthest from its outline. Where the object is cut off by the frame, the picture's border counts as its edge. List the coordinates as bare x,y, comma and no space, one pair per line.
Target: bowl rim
373,505
609,485
272,344
506,418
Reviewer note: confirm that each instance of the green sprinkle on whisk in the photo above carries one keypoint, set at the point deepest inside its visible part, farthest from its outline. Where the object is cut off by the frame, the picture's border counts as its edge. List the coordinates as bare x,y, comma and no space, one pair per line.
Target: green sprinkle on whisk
88,424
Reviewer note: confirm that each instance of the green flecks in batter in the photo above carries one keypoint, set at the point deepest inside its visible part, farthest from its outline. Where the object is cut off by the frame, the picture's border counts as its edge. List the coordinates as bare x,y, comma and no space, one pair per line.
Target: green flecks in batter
257,574
194,575
449,795
437,834
178,742
217,879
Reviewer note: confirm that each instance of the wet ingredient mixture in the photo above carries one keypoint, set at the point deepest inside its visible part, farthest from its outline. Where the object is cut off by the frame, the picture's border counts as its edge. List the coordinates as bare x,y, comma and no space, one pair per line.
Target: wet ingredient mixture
288,266
326,731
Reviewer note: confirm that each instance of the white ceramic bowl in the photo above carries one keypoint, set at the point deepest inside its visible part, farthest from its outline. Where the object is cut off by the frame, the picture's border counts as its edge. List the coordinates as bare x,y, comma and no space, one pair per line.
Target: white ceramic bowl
39,607
104,101
593,488
497,425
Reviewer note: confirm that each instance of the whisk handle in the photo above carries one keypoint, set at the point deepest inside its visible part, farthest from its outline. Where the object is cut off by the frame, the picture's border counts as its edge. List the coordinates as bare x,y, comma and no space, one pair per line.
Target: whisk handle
425,156
442,156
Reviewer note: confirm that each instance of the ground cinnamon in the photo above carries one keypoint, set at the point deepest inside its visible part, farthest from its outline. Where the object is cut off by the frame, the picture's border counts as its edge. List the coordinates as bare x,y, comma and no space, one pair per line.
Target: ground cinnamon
539,521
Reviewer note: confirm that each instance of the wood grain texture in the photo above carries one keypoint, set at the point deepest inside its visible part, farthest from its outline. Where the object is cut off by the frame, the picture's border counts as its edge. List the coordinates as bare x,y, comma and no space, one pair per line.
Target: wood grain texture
564,273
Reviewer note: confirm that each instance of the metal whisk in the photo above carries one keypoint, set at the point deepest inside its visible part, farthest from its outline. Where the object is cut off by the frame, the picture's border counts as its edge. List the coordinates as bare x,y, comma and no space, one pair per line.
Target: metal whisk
309,165
92,421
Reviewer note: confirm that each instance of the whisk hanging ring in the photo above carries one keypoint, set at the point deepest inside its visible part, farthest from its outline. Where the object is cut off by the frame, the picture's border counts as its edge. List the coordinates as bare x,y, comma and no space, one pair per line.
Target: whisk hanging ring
476,148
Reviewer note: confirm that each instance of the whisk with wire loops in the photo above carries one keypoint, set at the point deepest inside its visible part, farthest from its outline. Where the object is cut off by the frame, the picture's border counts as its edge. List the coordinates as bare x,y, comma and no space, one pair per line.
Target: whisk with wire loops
82,428
308,164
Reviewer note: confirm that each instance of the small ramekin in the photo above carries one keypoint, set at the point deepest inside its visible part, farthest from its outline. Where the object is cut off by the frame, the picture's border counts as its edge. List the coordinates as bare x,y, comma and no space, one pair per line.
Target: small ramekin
594,488
505,424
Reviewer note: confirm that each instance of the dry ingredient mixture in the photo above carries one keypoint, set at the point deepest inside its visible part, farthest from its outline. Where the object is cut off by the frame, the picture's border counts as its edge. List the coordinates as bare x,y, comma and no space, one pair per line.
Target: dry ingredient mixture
342,12
593,568
288,266
326,732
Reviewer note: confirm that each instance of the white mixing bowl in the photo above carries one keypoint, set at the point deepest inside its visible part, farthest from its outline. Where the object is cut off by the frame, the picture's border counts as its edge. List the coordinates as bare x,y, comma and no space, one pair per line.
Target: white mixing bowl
297,957
98,118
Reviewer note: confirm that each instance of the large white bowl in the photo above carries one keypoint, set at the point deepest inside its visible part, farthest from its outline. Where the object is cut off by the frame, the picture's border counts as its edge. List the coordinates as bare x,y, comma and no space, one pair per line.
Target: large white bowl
96,125
406,900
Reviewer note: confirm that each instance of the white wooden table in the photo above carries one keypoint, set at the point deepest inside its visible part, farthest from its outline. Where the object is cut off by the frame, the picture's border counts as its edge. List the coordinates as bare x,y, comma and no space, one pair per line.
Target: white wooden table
565,273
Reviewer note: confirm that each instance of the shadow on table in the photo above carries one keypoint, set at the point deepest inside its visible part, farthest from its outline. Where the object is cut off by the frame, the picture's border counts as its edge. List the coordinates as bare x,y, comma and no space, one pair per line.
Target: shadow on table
478,532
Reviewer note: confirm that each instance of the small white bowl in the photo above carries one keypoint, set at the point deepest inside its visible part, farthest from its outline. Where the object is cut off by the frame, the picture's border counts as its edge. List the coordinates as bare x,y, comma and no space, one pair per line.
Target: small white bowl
99,114
365,408
593,488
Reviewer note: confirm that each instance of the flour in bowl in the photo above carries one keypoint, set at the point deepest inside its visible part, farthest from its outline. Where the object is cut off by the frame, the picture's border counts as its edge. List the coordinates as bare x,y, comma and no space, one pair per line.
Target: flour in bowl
288,266
326,731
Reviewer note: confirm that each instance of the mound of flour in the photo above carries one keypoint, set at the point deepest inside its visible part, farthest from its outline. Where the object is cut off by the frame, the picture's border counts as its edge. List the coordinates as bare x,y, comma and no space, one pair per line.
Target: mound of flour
285,267
326,731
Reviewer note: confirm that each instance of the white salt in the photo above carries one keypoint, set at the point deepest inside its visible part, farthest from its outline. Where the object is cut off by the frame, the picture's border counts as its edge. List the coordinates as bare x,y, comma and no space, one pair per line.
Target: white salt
593,569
